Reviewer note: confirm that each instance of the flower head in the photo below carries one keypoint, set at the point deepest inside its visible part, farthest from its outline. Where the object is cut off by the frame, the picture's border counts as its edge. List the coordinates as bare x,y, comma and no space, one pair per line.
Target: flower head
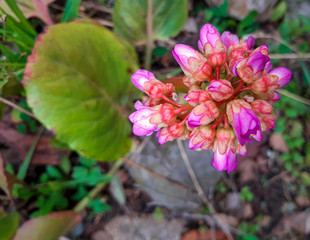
230,92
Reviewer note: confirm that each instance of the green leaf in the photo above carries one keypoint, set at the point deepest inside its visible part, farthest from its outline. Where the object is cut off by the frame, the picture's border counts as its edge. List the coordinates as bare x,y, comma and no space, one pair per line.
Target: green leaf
306,73
118,190
71,10
130,16
2,83
65,165
49,227
8,225
53,172
278,11
99,206
77,84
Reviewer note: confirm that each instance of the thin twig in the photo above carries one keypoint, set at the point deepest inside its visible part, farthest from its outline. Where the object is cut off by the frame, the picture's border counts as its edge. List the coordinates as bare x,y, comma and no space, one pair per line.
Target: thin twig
149,35
294,96
201,193
304,56
13,105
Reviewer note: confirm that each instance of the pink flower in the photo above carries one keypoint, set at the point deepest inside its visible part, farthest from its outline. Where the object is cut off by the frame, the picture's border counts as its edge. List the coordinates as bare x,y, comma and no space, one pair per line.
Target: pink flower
284,76
208,34
243,119
146,82
172,132
220,90
202,137
225,157
192,62
196,97
141,77
229,39
141,120
203,114
251,68
264,112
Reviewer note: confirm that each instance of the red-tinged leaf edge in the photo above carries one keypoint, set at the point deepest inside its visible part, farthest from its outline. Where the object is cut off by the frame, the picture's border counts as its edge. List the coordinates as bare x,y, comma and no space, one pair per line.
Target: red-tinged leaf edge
49,227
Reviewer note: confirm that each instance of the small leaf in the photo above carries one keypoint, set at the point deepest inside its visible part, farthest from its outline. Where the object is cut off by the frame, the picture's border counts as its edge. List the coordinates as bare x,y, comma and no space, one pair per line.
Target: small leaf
306,73
49,227
79,94
53,172
8,225
65,165
278,11
3,180
99,206
71,10
2,83
130,16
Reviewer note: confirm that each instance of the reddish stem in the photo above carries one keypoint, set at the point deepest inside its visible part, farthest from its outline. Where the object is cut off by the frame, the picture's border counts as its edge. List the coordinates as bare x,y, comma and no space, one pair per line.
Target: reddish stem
237,90
226,123
220,118
245,89
183,108
183,121
172,102
228,71
218,69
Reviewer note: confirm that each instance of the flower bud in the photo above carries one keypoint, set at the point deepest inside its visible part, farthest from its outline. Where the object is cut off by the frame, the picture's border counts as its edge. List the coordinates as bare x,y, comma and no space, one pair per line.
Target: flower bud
211,45
192,62
141,120
220,90
243,119
141,77
264,112
265,84
172,132
202,137
271,97
283,74
251,68
203,114
229,39
165,114
196,97
225,157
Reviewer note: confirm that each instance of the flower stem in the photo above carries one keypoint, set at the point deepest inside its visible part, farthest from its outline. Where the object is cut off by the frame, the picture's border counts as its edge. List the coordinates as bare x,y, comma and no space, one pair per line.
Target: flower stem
237,90
172,102
149,31
218,69
183,108
220,118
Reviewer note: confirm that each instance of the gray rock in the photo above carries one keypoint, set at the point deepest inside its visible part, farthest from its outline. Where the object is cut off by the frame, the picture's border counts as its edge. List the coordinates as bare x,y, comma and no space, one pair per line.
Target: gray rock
167,161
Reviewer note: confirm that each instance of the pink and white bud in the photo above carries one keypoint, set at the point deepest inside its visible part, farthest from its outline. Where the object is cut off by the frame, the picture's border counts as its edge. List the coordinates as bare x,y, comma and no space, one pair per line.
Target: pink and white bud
208,34
193,63
196,97
141,120
243,119
165,114
265,84
202,137
220,90
203,114
271,98
174,131
283,74
252,68
141,77
146,82
225,146
250,42
263,49
264,112
229,39
211,45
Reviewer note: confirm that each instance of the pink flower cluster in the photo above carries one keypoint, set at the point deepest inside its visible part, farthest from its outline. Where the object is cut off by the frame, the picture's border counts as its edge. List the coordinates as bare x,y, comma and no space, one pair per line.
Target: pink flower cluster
231,90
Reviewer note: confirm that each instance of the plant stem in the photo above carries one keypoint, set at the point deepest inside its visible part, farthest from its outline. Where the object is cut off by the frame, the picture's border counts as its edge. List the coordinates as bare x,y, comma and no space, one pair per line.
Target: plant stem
171,102
96,190
149,35
293,96
13,105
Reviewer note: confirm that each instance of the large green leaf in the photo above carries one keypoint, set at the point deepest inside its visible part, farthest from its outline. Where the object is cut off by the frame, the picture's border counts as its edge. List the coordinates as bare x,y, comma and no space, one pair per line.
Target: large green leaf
77,81
49,227
130,16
